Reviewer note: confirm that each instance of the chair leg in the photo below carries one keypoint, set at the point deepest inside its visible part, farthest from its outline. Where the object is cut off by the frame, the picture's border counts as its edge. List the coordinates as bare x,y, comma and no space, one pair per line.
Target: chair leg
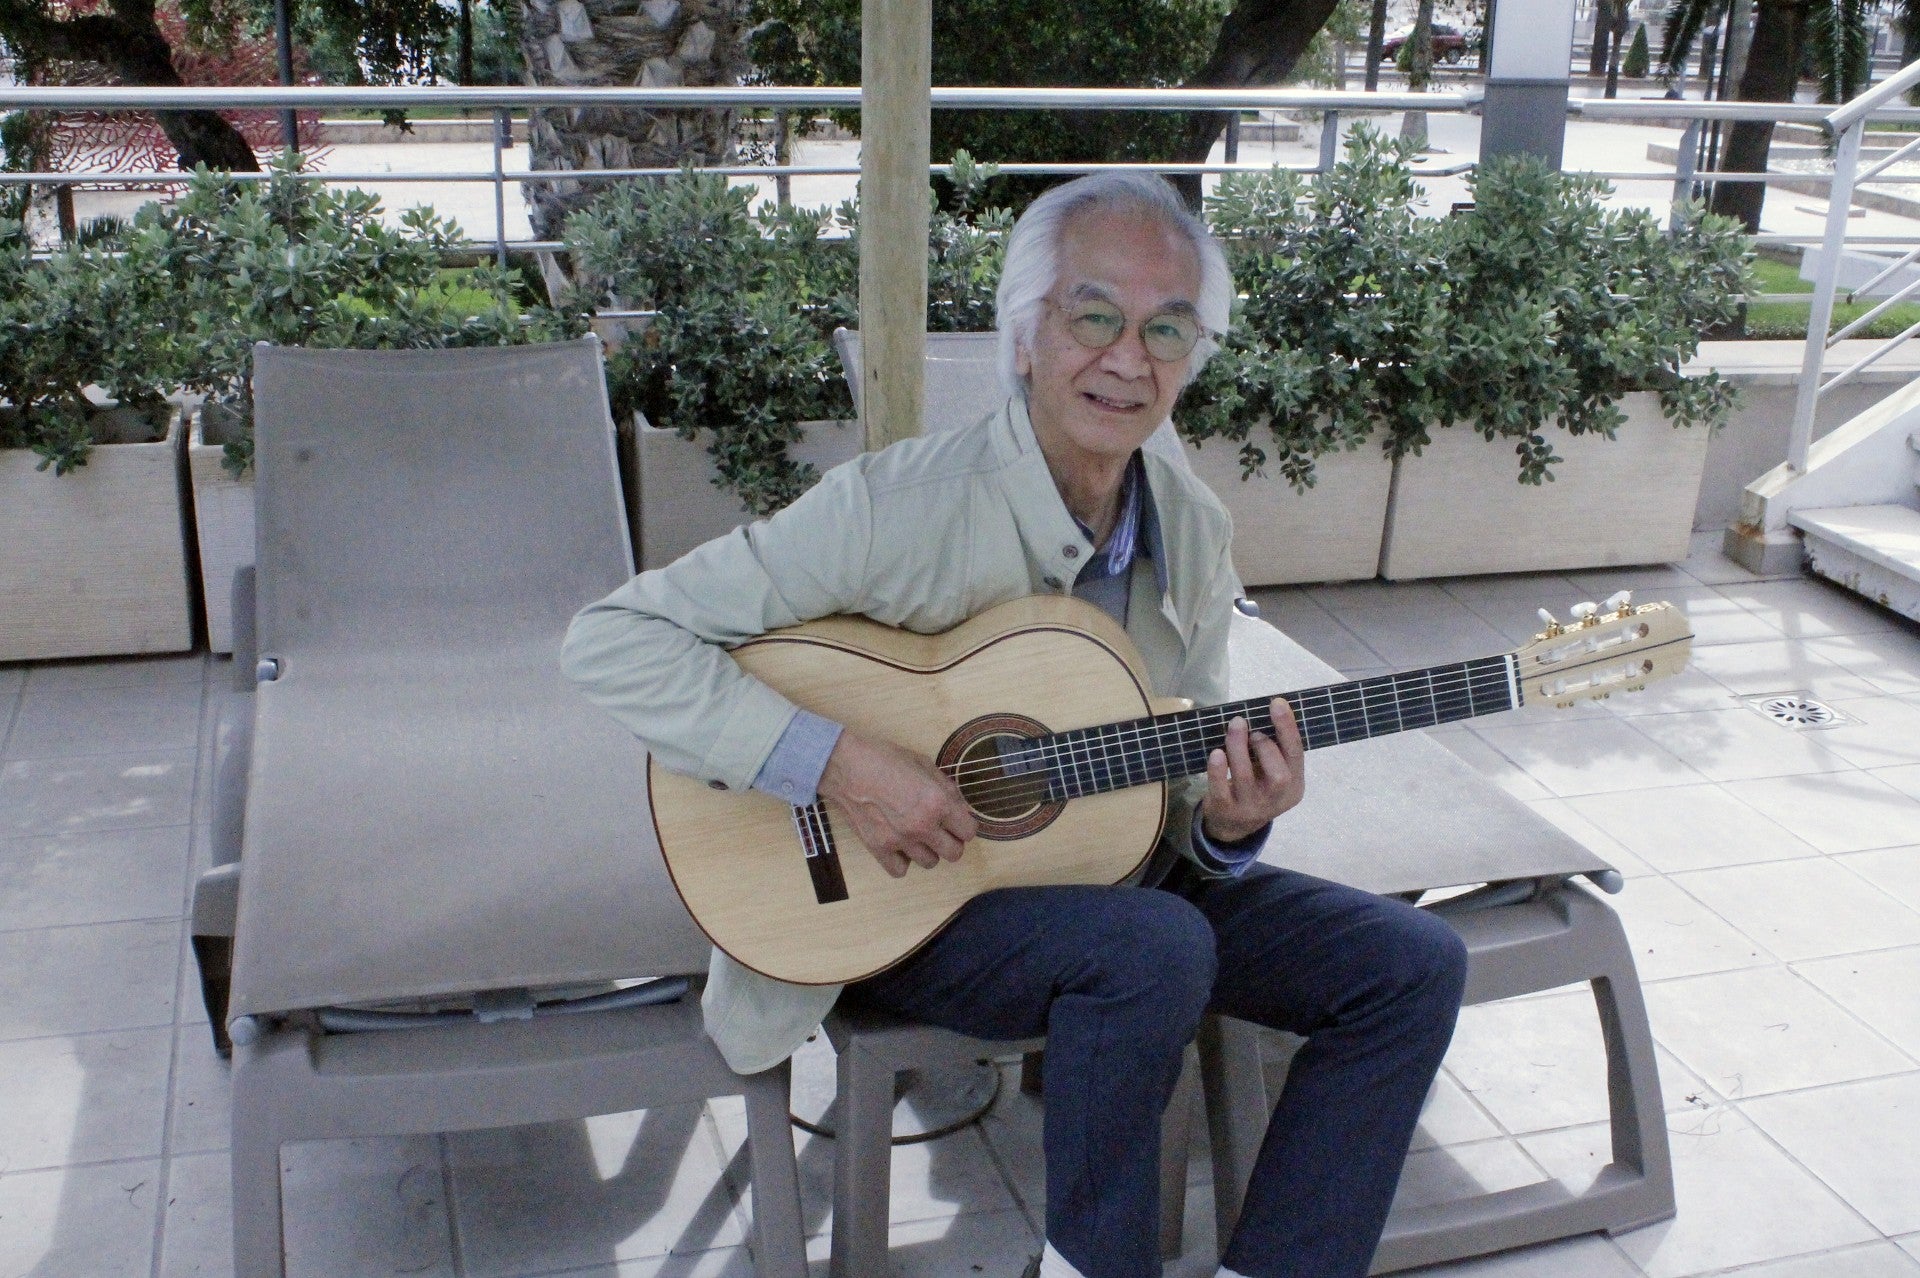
1237,1112
214,957
1639,1125
780,1247
259,1245
862,1165
1176,1137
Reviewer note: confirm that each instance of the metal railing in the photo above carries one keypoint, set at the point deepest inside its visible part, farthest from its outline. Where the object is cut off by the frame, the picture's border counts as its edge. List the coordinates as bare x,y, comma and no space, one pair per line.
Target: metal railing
1847,122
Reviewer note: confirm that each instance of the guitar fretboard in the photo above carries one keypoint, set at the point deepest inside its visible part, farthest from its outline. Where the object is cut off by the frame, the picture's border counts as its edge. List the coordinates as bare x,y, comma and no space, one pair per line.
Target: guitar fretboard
1163,747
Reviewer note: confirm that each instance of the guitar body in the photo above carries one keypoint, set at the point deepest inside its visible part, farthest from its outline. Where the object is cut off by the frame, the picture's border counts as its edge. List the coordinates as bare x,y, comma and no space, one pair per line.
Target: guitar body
1026,668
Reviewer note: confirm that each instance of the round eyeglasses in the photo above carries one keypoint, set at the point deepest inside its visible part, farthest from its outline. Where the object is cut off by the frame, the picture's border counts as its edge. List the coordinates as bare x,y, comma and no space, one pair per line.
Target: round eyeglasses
1169,336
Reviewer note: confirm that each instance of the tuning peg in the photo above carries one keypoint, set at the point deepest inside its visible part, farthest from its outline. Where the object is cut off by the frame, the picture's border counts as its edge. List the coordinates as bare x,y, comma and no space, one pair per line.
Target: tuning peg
1554,628
1620,603
1584,613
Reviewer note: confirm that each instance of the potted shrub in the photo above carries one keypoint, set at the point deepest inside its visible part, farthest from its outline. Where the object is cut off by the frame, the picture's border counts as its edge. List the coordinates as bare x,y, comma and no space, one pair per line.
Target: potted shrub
92,560
292,262
731,386
1535,317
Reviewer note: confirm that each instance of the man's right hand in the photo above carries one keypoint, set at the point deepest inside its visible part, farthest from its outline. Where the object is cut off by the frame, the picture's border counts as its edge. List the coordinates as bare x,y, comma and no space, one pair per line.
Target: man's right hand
902,807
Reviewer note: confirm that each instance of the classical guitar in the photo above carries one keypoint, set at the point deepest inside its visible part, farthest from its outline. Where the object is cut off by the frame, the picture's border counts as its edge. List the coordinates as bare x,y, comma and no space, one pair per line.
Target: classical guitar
1040,709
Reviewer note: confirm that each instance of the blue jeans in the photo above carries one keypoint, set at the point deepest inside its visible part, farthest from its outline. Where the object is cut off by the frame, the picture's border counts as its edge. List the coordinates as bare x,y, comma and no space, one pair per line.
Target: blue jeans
1118,978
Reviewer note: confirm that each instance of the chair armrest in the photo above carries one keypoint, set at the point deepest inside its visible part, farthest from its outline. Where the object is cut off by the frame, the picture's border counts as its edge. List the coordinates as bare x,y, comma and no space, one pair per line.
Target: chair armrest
232,758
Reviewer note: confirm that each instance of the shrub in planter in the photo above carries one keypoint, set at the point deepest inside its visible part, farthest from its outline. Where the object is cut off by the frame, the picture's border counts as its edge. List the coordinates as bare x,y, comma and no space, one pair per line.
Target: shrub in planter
76,329
745,303
292,262
1539,307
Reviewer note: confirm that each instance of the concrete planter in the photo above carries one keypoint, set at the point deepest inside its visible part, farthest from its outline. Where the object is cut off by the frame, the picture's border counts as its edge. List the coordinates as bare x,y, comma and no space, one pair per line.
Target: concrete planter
222,517
93,563
1331,532
675,504
1457,509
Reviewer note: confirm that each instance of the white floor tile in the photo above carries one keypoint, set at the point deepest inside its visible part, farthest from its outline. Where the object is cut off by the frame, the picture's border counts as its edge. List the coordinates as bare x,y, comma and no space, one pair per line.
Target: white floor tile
1314,628
1836,811
55,723
1781,665
202,1103
1737,744
1762,1031
1911,1245
1451,1116
1427,635
1588,756
1435,1176
80,1222
73,980
1673,934
1805,909
1811,608
1878,988
722,1262
573,1194
1714,618
197,1233
1905,779
1705,562
92,878
991,1244
1588,1256
96,792
931,1180
1894,870
1889,662
1492,765
1539,1063
1740,1199
1645,582
1858,1139
1873,1260
1887,734
1690,827
370,1206
83,1098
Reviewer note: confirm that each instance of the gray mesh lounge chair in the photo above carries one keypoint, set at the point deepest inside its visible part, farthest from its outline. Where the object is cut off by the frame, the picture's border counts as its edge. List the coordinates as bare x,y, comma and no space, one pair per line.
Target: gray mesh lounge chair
432,814
1395,815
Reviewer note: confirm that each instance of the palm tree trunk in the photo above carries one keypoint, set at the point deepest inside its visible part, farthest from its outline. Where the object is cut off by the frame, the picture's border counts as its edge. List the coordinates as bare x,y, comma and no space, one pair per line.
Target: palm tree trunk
1773,70
654,43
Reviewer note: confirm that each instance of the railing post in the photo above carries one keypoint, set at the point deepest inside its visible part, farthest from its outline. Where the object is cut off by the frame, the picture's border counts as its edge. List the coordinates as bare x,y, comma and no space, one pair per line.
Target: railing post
1683,173
502,134
1839,203
1329,141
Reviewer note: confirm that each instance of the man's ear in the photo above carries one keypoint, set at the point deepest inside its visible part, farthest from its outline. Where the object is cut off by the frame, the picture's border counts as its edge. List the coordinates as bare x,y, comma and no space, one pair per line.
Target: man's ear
1023,360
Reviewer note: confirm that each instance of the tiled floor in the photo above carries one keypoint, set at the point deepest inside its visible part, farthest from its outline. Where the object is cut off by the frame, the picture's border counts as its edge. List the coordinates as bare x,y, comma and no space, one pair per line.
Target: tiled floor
1773,899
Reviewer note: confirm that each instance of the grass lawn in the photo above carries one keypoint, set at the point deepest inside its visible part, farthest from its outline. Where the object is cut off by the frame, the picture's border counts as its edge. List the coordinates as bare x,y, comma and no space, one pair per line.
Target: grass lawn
1789,319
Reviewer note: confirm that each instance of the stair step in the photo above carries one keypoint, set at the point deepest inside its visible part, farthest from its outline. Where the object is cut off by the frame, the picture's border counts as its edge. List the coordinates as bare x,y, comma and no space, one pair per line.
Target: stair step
1871,550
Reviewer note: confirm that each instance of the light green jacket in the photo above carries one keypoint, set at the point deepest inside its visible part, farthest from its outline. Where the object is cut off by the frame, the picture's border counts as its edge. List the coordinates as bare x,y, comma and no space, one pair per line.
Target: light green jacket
922,535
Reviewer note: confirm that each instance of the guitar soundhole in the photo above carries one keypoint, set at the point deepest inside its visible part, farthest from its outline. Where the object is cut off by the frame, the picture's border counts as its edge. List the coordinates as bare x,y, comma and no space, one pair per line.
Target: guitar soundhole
1010,803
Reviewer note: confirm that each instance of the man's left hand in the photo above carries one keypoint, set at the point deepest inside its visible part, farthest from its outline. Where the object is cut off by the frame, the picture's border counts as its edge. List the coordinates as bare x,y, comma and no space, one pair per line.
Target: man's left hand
1254,778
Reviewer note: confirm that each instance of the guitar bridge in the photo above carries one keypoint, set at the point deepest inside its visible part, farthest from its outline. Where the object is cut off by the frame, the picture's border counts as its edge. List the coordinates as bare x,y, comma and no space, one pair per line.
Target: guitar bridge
823,858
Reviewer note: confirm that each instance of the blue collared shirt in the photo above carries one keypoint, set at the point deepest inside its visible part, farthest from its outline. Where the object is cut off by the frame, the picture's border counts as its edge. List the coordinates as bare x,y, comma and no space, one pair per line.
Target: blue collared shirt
792,772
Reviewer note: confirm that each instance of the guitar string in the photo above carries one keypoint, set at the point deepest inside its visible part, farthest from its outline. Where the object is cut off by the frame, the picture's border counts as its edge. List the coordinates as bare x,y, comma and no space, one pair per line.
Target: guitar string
1097,754
1334,707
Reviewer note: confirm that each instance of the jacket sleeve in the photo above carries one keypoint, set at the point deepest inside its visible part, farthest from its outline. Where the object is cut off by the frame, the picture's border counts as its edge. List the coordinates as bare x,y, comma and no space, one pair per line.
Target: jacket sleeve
1203,679
653,653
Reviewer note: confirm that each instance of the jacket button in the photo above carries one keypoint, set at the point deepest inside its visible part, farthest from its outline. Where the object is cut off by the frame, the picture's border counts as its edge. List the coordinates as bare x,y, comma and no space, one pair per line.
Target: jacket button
716,785
1070,550
1053,583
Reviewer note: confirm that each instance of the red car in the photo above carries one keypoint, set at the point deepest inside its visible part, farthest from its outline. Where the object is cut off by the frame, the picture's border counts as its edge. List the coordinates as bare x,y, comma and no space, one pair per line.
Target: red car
1450,44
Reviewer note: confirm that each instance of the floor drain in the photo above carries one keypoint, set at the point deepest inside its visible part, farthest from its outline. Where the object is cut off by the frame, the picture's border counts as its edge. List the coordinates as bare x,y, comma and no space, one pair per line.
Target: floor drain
1797,710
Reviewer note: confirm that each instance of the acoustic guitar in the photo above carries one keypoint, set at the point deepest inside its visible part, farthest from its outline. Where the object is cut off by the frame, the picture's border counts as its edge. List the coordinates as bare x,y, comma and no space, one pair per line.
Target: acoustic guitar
1040,710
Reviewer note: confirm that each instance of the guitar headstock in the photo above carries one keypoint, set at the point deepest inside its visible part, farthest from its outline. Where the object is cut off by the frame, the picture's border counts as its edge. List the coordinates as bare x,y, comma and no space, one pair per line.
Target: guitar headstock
1603,650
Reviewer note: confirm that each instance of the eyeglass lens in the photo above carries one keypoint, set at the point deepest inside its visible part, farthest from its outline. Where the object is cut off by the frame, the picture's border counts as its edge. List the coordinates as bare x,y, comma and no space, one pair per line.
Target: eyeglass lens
1168,336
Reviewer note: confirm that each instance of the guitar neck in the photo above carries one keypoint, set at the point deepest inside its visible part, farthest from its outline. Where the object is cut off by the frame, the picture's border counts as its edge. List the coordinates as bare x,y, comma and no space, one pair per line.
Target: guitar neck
1164,747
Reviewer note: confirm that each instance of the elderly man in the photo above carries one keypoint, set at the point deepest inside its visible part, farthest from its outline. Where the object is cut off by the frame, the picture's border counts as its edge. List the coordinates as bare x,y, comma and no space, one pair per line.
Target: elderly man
1111,297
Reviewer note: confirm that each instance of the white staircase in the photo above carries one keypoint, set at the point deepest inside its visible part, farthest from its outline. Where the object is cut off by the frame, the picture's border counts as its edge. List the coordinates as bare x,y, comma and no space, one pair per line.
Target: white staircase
1856,506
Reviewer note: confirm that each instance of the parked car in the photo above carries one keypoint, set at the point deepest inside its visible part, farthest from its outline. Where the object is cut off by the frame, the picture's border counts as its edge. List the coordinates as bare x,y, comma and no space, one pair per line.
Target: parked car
1450,44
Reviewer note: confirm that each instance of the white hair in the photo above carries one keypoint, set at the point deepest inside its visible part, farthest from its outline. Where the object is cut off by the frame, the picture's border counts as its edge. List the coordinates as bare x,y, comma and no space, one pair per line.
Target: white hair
1032,263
